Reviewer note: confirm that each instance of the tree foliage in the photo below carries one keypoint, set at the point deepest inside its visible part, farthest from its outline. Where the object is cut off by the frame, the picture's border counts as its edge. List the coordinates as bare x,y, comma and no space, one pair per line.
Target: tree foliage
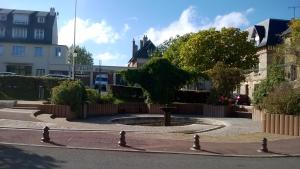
83,56
172,48
283,99
159,79
70,93
204,49
224,78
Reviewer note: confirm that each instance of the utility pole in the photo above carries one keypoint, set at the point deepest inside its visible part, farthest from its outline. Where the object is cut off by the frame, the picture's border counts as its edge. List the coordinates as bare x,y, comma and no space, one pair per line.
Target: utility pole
99,87
74,54
294,10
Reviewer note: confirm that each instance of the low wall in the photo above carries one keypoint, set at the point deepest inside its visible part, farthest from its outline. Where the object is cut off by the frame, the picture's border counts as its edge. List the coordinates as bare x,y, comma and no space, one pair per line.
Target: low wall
57,110
281,124
140,108
257,115
133,108
7,103
216,110
100,109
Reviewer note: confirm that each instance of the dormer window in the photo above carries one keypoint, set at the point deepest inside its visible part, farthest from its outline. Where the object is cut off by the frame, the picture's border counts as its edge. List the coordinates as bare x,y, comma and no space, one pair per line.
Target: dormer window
257,39
21,19
41,19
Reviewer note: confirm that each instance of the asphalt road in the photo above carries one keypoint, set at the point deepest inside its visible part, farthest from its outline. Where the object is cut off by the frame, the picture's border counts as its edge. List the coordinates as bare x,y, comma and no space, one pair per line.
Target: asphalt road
30,157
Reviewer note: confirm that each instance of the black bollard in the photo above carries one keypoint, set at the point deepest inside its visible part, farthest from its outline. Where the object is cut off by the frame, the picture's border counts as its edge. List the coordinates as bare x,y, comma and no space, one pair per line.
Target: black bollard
264,147
196,145
46,137
122,141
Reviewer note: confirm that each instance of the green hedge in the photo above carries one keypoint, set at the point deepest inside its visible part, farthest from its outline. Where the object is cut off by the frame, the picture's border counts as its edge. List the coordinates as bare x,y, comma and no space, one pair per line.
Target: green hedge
27,87
127,93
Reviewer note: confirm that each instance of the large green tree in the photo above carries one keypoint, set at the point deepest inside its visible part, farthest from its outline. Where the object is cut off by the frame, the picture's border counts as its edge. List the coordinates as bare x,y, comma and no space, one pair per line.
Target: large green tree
229,45
225,79
83,56
159,79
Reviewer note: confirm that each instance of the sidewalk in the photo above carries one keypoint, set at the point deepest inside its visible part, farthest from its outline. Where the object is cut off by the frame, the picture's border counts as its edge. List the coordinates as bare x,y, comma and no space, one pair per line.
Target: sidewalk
136,142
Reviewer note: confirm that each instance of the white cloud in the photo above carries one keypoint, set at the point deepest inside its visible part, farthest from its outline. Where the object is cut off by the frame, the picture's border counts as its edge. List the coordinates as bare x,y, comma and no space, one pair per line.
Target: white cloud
110,58
126,28
98,32
190,22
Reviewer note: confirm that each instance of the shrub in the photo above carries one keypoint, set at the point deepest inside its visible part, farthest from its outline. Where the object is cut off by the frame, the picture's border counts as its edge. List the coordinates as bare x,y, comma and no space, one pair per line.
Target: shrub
27,87
3,96
159,79
93,96
283,99
275,77
70,93
127,93
108,99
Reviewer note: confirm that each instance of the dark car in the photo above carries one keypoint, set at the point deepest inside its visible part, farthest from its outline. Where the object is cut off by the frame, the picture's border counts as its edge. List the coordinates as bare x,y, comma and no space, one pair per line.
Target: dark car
242,99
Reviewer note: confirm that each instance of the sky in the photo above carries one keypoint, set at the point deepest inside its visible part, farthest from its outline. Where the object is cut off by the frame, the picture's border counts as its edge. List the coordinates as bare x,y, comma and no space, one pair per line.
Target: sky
106,28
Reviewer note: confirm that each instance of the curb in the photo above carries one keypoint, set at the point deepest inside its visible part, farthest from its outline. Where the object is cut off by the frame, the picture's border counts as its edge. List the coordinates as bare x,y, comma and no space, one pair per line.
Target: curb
155,152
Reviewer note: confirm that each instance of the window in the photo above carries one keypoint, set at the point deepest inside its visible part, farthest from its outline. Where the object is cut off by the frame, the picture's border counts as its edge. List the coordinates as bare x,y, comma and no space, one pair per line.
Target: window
3,17
57,51
1,50
40,72
38,33
20,69
2,31
19,33
18,51
21,19
41,19
38,51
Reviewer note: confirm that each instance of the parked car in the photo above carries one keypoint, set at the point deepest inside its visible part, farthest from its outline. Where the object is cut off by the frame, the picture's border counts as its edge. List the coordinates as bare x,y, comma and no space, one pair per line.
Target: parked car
242,99
57,76
101,82
7,74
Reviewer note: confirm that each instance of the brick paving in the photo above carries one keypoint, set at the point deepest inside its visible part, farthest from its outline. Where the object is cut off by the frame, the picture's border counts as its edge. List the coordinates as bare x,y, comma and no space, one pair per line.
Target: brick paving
137,141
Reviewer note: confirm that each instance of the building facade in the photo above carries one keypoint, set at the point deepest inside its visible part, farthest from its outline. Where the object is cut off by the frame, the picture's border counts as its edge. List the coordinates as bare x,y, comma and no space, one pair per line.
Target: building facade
29,43
265,35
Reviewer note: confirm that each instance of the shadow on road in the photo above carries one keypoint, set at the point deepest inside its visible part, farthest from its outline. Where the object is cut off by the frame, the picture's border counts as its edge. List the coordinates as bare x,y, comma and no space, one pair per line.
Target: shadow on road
13,157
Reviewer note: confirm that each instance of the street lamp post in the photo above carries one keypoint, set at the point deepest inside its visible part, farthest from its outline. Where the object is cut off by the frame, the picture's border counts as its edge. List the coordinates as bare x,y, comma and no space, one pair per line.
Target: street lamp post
74,43
74,54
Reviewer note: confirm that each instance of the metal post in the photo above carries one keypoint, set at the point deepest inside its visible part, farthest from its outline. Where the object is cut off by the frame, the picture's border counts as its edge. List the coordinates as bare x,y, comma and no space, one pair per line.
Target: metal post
74,42
122,141
196,145
46,137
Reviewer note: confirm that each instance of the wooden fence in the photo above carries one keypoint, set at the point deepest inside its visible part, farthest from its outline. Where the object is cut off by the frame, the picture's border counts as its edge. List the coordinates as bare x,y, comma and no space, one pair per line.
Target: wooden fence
57,110
138,108
278,123
216,111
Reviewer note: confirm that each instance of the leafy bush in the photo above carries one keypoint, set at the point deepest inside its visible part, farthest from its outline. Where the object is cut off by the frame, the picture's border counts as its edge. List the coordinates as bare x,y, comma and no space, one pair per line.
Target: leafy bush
93,96
70,93
108,99
159,80
282,100
127,93
3,96
274,78
27,87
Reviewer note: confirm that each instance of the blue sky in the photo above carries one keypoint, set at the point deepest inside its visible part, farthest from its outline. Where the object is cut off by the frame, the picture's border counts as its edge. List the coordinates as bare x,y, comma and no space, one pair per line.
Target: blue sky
106,27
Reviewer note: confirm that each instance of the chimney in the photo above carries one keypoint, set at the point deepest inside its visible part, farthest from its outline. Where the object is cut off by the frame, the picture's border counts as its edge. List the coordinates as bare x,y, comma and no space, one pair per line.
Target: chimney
134,48
145,39
52,11
141,44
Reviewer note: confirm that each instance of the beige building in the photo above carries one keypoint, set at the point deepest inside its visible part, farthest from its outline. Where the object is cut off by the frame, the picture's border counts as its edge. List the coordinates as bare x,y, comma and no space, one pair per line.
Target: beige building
28,43
266,35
